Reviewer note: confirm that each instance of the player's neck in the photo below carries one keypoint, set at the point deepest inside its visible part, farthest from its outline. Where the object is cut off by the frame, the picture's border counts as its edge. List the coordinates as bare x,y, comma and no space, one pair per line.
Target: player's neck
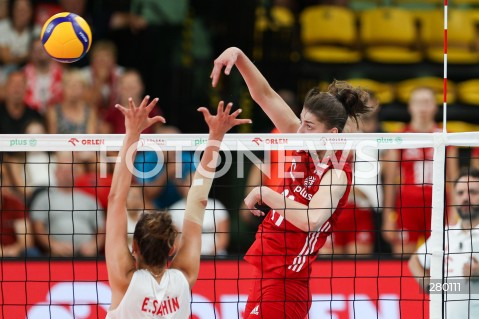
469,224
422,126
156,272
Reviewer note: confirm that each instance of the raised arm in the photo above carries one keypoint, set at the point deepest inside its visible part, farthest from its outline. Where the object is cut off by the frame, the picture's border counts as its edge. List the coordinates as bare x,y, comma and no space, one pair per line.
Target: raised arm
120,263
189,251
391,175
420,274
306,217
272,104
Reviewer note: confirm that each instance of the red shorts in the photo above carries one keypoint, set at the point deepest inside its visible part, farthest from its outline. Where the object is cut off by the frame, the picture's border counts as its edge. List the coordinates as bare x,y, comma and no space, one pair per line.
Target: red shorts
413,208
353,226
278,299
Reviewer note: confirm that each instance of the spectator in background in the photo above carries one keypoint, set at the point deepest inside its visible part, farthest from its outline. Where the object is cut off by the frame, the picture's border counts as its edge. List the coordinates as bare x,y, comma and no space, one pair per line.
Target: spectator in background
129,84
408,195
158,27
461,255
216,225
66,222
14,113
74,6
16,239
30,172
167,185
91,181
3,10
44,79
102,75
475,158
17,33
74,115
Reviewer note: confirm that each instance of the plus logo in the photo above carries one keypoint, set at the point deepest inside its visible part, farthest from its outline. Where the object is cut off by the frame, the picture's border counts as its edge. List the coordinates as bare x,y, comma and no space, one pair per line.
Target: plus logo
74,141
257,140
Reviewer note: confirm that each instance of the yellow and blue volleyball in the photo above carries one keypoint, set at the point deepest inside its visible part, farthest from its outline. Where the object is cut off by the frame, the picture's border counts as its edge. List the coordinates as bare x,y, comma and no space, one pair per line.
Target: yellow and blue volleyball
66,37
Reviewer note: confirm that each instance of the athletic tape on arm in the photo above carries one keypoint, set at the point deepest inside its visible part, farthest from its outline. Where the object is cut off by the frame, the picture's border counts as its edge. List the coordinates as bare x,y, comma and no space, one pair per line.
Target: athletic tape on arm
198,198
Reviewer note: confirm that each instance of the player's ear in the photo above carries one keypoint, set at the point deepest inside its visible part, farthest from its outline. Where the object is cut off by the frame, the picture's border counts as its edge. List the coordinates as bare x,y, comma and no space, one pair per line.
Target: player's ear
333,130
134,248
172,250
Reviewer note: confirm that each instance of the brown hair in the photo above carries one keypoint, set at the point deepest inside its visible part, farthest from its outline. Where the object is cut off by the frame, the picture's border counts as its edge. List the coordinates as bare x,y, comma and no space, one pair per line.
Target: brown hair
155,235
334,107
467,172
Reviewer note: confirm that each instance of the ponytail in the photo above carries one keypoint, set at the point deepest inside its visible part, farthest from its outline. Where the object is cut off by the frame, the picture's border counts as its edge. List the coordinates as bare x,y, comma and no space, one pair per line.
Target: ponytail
340,102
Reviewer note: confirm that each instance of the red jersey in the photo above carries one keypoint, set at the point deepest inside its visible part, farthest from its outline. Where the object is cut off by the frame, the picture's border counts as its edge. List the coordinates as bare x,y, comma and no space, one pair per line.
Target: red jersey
91,184
416,165
278,168
282,249
475,152
11,210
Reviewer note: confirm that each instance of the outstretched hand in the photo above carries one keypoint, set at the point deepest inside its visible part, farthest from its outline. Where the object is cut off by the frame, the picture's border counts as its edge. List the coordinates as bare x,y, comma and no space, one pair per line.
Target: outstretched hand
226,59
223,121
136,118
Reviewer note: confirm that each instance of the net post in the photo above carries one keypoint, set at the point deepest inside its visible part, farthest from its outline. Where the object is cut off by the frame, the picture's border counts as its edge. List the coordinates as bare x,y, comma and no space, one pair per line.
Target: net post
436,247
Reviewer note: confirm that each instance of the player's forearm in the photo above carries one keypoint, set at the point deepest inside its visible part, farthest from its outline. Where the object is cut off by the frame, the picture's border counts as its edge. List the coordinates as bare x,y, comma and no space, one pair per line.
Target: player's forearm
420,274
257,84
122,175
298,214
202,180
262,93
390,196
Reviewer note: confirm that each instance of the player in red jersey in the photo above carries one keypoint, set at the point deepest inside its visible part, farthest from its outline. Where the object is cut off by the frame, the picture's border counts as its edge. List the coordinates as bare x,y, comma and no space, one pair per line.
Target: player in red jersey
408,194
288,240
475,158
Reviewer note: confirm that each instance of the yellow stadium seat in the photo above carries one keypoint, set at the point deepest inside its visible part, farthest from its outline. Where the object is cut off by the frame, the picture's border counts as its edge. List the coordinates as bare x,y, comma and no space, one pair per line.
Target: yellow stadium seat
392,126
474,13
279,24
467,92
329,35
280,17
389,35
459,127
404,88
461,37
383,91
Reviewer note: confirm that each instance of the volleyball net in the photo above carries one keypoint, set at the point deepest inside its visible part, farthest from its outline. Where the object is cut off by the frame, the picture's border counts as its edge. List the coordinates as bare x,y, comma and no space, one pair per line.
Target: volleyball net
52,237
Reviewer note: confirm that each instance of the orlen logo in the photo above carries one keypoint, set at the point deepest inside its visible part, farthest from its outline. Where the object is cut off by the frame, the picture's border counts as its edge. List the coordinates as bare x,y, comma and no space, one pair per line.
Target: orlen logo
69,300
276,141
270,141
74,141
257,140
87,141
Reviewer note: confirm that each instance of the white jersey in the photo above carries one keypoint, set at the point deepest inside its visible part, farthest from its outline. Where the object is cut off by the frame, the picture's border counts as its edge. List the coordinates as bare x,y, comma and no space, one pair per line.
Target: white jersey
461,246
145,298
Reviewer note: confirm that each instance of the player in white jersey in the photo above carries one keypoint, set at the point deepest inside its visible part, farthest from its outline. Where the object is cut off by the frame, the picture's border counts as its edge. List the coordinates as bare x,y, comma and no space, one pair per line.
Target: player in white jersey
461,269
142,286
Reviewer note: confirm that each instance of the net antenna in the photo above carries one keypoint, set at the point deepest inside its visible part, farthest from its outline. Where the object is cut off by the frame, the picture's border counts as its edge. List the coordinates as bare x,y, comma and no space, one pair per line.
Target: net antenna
436,305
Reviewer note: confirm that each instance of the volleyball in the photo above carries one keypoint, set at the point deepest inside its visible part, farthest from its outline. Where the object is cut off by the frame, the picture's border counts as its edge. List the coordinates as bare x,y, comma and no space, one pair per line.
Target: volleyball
66,37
